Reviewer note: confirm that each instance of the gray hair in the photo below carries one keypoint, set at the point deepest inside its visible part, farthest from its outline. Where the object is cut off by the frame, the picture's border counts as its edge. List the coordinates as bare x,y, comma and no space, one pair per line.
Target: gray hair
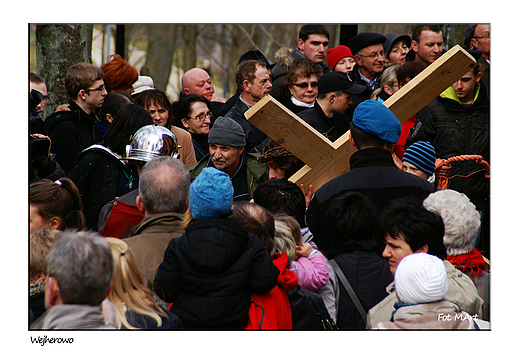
164,185
82,264
460,217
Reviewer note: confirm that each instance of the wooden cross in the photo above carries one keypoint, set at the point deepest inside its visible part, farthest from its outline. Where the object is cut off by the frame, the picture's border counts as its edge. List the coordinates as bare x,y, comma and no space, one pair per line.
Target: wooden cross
326,160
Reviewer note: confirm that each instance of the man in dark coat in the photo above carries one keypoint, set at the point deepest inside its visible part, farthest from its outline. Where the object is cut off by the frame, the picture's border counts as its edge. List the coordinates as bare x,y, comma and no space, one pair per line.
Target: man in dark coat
73,130
334,97
313,43
373,131
253,80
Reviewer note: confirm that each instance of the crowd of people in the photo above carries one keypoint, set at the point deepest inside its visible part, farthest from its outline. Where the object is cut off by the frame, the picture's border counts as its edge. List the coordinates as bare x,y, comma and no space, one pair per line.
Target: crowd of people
150,214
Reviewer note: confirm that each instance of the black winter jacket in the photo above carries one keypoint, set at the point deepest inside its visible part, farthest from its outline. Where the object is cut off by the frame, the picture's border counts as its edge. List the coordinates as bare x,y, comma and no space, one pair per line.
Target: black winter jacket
369,275
255,138
454,130
210,272
71,132
373,174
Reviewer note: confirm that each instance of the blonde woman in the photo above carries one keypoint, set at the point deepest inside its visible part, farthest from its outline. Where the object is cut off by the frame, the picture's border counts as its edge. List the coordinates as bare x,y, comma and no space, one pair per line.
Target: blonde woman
136,306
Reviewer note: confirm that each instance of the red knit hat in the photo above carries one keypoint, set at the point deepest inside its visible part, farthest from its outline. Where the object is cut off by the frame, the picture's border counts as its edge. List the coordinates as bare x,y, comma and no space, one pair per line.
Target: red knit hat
336,54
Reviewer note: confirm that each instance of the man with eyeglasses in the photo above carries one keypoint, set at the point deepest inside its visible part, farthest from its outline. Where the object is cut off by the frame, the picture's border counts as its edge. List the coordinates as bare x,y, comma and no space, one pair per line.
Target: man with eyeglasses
369,55
253,80
334,97
477,37
74,129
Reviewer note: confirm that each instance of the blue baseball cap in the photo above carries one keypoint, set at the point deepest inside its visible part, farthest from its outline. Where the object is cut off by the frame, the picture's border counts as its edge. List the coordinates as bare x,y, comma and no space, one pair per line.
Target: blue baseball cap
375,118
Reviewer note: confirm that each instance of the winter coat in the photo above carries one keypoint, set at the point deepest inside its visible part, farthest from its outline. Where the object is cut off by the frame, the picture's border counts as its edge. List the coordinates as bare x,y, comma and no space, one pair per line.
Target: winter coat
249,175
461,291
100,176
151,238
312,271
255,138
454,130
373,174
440,315
332,128
369,275
272,310
210,272
71,132
68,316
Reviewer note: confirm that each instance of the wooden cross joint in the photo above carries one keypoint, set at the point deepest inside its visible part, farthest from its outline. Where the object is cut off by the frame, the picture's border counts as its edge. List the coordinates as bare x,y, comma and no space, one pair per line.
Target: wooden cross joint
326,160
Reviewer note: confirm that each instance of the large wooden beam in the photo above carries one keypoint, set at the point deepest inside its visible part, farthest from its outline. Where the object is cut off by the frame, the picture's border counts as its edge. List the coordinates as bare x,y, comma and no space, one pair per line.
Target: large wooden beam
326,160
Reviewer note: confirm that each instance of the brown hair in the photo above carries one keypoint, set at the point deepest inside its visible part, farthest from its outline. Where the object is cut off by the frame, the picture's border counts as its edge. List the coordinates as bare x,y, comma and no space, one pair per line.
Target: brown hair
40,243
58,199
157,98
119,75
246,71
80,77
257,220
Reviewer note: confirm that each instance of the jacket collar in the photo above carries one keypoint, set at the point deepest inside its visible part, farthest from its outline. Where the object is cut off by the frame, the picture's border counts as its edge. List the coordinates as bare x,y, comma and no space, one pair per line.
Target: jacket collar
160,223
371,157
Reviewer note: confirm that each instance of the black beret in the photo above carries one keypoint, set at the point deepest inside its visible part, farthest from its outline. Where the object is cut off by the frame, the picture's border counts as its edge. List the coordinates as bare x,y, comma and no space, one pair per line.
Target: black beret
363,40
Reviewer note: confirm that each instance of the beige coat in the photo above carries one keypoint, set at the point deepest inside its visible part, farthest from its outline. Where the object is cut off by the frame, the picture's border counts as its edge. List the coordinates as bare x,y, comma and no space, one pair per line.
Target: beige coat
461,291
151,239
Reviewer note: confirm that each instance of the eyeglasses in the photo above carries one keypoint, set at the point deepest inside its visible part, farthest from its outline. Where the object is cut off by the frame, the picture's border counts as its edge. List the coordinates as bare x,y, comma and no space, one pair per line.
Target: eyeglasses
374,55
101,89
203,116
485,37
307,84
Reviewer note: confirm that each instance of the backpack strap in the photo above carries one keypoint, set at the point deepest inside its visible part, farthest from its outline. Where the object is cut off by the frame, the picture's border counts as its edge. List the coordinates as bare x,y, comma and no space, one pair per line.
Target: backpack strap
343,279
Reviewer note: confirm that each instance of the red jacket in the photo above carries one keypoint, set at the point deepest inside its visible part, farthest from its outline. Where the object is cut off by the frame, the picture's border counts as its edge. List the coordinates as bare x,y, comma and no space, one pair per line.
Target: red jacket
271,310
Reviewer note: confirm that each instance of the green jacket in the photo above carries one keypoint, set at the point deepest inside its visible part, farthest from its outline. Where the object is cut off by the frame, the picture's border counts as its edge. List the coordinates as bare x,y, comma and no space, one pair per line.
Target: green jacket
257,173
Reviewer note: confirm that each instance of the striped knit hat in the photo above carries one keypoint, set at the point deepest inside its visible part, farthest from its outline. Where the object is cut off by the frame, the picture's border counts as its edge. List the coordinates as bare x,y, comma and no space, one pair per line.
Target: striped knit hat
421,278
422,155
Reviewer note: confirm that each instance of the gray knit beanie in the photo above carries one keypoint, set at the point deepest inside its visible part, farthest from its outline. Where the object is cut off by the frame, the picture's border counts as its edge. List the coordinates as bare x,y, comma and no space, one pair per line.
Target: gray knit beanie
226,131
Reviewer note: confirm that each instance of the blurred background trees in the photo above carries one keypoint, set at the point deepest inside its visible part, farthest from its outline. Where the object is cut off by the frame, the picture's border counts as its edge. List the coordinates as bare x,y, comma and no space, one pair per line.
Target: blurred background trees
166,51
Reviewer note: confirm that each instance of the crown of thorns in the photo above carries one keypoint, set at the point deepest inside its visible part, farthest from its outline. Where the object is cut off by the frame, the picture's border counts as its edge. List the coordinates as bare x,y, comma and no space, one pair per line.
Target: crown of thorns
269,153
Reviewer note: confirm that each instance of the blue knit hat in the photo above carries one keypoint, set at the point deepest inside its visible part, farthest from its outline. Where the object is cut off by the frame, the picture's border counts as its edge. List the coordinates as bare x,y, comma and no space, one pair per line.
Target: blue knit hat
375,118
211,194
422,155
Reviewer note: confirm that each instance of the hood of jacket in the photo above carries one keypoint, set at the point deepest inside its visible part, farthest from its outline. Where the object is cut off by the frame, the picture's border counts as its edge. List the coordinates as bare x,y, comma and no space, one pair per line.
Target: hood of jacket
213,245
287,278
449,93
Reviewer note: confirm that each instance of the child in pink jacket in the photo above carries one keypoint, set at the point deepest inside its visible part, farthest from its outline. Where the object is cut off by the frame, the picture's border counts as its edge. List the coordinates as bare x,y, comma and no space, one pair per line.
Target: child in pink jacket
310,264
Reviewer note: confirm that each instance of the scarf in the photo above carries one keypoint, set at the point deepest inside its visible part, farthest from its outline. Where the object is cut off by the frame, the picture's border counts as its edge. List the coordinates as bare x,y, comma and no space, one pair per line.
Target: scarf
472,262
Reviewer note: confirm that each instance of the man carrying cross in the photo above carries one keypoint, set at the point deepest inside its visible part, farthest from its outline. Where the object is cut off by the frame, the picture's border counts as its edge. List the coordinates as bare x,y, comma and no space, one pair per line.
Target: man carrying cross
373,131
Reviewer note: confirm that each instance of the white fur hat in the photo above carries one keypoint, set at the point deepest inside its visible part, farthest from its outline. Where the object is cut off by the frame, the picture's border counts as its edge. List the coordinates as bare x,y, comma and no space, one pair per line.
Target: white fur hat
420,278
143,83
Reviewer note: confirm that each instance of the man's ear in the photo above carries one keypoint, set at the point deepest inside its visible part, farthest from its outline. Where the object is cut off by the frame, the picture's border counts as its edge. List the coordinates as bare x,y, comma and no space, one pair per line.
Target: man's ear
246,86
52,293
423,249
415,46
82,94
241,150
351,139
358,61
140,205
301,44
186,91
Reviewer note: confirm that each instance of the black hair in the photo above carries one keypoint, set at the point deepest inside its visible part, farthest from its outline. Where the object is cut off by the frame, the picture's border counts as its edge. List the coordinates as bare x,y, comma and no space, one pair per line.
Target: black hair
307,30
407,218
363,139
351,218
282,196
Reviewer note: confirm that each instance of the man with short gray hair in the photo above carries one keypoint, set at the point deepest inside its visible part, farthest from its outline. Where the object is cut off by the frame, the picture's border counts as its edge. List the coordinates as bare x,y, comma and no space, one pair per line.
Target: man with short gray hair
163,199
80,269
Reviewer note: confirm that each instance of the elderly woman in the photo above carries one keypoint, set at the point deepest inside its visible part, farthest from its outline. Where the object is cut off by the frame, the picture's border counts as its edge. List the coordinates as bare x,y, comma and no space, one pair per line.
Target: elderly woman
461,227
301,88
156,103
192,112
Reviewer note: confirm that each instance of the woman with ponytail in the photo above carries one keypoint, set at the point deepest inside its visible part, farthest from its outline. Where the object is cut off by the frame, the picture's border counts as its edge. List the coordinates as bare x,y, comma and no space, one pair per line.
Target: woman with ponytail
55,205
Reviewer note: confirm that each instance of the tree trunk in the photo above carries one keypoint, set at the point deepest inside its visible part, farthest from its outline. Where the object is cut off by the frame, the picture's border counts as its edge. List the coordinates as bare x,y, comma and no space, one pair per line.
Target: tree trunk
57,48
159,55
190,47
